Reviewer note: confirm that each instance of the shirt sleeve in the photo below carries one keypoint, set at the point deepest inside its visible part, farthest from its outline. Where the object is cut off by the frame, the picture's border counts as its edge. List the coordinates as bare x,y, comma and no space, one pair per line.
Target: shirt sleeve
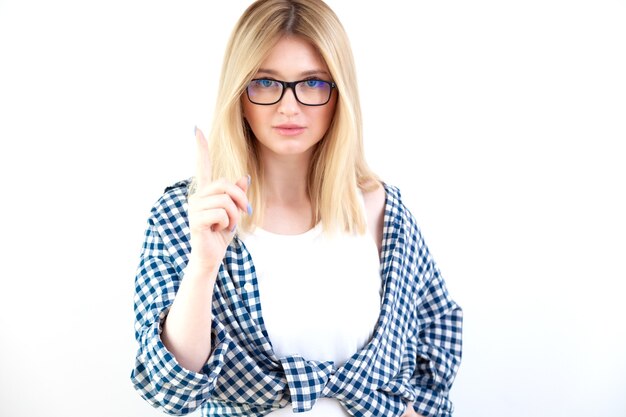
439,344
157,376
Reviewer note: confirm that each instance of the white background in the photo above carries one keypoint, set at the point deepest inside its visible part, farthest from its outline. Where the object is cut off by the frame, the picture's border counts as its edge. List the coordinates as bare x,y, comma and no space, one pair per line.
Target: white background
503,123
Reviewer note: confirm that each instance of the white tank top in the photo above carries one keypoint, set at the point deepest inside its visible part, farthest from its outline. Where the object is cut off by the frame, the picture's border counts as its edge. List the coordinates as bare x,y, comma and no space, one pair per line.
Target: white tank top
320,297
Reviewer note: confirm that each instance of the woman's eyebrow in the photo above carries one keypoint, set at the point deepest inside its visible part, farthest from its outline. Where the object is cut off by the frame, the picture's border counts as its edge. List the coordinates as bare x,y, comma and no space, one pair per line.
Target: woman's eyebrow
302,74
314,72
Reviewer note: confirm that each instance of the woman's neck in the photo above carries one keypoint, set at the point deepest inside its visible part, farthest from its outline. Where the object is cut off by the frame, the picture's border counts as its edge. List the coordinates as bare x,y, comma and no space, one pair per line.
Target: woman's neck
285,178
286,198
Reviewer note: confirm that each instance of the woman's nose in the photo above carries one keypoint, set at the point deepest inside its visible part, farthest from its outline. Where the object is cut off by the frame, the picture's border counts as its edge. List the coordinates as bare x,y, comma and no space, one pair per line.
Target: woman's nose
288,104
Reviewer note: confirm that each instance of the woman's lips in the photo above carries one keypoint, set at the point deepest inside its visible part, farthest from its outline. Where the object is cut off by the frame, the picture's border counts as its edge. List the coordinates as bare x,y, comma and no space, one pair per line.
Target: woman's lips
289,129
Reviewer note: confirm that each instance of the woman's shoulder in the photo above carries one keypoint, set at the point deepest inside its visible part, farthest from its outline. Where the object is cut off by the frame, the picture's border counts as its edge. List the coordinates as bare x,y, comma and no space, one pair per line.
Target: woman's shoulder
182,185
374,194
172,200
392,194
394,206
381,195
374,200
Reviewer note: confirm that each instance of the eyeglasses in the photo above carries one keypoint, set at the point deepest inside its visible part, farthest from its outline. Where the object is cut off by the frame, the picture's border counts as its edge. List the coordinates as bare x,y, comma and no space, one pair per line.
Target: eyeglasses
310,92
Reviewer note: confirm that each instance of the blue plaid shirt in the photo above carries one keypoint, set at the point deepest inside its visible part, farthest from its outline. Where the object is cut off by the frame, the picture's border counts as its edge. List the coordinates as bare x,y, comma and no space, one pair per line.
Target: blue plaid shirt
413,355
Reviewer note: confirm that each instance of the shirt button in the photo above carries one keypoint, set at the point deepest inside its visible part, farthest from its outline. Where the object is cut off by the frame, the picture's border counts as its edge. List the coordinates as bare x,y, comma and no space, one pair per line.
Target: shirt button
248,287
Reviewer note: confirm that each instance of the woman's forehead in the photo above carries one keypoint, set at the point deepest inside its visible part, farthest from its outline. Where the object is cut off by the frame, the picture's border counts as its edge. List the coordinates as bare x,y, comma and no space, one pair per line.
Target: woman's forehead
294,56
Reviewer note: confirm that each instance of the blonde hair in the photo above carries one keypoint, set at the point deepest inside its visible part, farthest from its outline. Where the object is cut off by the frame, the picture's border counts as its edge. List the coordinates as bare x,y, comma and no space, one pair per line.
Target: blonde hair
338,168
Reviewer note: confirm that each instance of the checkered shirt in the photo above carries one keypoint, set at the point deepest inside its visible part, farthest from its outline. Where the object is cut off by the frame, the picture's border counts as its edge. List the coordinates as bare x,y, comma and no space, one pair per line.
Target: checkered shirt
413,355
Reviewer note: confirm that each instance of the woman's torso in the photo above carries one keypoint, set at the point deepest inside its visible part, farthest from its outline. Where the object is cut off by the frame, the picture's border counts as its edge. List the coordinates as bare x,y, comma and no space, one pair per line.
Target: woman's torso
320,297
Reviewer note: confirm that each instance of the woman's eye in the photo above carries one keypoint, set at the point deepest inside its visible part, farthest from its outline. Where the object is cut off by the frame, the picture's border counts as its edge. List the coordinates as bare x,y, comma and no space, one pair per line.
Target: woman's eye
314,83
264,83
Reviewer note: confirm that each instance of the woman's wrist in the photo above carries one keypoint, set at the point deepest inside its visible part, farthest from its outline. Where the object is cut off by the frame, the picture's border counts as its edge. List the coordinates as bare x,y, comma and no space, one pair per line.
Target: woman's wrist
201,269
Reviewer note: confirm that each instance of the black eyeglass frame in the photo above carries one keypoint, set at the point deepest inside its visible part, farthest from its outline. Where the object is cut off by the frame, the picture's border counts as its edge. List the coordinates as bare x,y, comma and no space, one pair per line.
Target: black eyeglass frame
292,85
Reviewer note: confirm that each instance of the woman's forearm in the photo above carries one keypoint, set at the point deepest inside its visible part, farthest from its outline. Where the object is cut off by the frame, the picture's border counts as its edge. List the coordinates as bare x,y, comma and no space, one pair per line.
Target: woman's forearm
187,328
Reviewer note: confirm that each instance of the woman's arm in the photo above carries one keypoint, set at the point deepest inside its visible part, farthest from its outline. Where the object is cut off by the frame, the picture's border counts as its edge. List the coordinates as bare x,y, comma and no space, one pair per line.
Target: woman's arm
439,343
187,327
176,367
435,319
214,211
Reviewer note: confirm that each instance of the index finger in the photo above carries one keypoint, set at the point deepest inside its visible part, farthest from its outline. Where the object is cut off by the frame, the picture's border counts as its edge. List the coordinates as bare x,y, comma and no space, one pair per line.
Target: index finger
203,160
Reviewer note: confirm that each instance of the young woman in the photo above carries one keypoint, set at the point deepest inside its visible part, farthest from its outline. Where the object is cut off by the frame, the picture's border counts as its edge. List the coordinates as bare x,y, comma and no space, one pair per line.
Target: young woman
285,277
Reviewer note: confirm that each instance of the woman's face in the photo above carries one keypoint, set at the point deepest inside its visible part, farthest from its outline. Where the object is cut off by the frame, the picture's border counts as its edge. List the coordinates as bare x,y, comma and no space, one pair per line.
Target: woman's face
289,127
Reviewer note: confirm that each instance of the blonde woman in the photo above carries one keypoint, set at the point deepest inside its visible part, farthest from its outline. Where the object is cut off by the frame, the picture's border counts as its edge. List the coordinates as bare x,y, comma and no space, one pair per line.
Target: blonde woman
285,277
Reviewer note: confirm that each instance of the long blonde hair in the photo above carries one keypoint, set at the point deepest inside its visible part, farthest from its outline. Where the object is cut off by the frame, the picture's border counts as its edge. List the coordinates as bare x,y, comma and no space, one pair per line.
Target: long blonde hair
338,168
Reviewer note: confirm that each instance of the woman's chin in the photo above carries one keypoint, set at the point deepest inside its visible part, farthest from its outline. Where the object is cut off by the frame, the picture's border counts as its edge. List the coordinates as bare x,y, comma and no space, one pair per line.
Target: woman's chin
290,147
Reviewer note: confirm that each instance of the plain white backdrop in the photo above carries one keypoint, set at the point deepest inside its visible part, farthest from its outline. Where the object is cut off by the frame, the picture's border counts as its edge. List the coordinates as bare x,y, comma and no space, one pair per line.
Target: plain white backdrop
503,123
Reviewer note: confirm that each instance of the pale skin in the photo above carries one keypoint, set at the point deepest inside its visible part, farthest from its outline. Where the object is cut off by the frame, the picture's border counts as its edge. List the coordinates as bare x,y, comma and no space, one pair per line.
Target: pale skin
216,207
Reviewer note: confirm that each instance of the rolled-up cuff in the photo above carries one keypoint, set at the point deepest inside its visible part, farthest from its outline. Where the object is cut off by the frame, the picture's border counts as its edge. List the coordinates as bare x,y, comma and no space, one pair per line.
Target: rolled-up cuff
166,384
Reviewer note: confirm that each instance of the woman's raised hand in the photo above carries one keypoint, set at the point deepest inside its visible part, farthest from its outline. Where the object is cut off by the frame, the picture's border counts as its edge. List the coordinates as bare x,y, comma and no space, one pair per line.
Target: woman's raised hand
214,211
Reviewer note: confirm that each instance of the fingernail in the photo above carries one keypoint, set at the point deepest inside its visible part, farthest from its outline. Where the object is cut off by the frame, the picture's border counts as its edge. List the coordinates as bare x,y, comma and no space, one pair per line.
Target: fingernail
233,229
249,180
249,210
